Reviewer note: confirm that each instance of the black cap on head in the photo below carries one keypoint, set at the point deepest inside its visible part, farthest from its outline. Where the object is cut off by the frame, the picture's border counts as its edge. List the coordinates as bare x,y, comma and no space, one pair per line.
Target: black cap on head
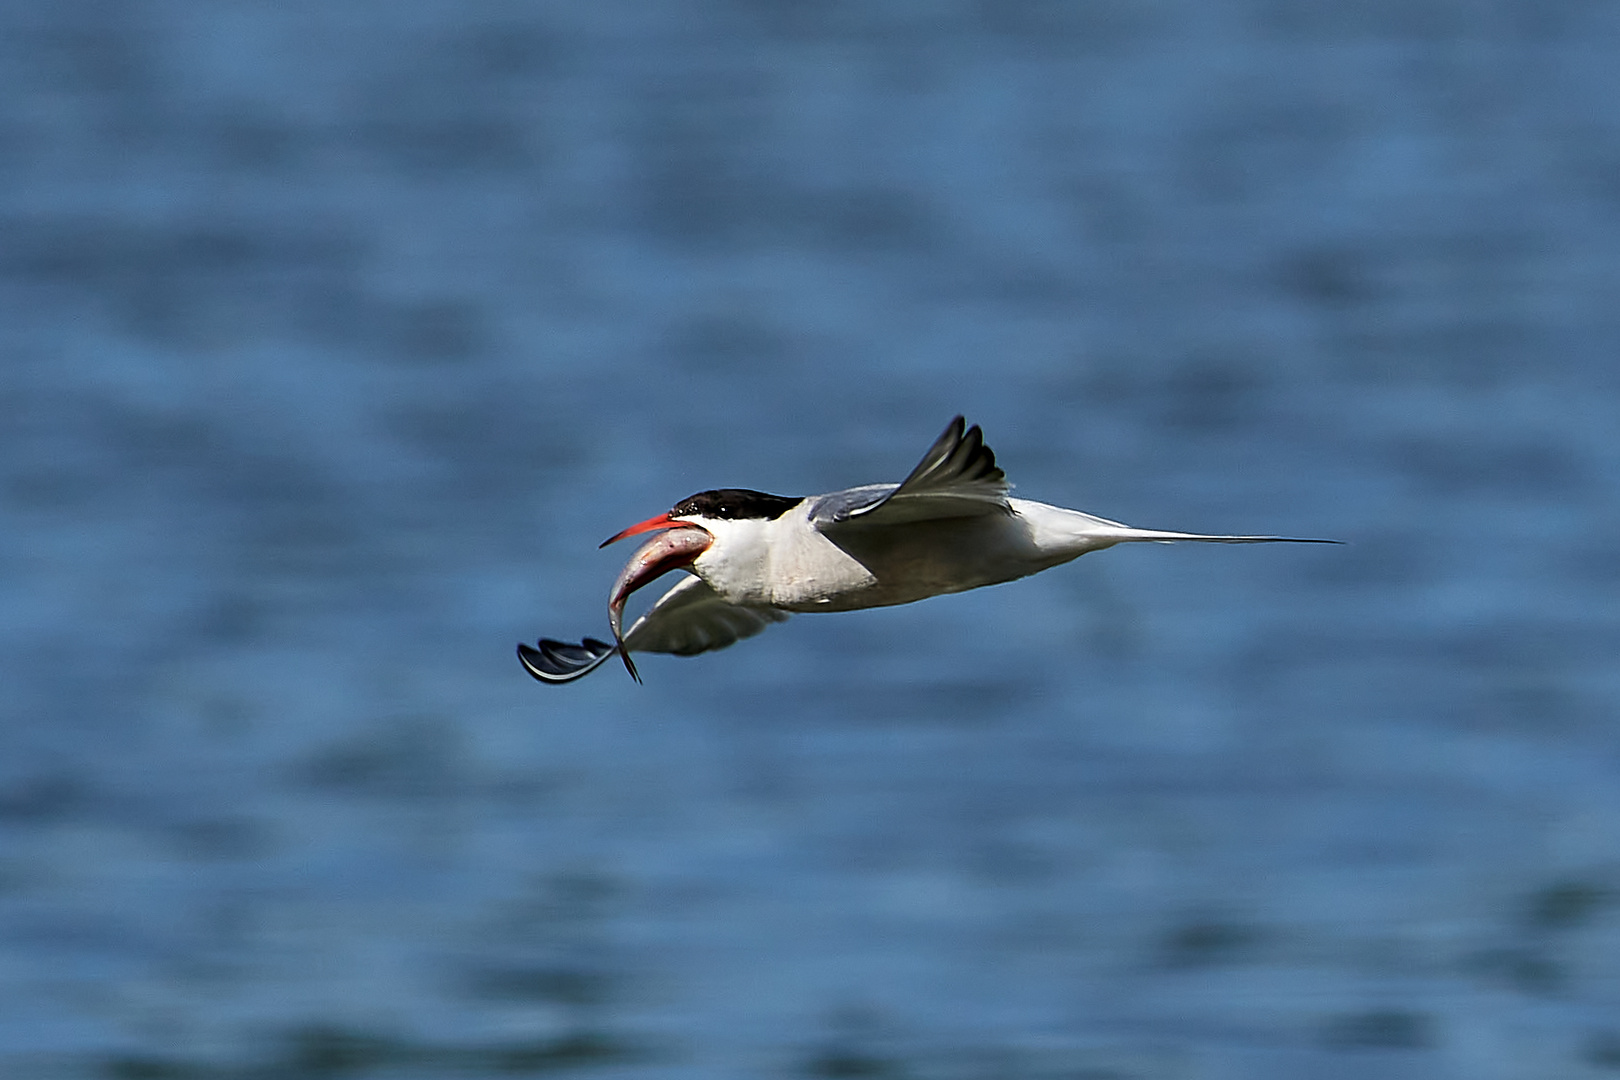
735,504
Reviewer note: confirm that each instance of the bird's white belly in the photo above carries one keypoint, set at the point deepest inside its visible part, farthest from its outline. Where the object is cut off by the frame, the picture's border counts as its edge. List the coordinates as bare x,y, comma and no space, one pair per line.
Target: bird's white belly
902,564
818,576
845,569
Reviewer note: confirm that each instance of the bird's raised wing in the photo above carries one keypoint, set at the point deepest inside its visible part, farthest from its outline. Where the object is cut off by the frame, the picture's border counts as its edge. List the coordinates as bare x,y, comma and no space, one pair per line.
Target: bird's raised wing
958,477
688,619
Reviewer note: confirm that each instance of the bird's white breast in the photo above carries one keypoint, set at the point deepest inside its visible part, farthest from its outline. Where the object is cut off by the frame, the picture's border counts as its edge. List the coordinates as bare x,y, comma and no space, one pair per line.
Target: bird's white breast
783,563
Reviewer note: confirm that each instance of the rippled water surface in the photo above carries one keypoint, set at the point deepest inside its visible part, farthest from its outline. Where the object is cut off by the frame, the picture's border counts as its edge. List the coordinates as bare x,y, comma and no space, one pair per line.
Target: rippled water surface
335,336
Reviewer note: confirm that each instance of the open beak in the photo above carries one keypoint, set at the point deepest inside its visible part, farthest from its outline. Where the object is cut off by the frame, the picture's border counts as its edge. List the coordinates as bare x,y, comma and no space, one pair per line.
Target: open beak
662,521
678,547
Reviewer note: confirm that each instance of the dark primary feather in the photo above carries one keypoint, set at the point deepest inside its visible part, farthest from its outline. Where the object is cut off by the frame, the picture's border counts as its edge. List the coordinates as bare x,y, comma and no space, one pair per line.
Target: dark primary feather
558,661
957,477
958,458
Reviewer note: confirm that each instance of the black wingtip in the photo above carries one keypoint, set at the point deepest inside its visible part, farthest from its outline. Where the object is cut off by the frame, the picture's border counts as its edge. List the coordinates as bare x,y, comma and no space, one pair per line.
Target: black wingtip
962,449
531,661
559,661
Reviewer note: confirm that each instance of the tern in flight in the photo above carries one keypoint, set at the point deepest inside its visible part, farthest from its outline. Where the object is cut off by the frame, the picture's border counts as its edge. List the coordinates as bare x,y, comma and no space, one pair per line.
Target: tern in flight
755,558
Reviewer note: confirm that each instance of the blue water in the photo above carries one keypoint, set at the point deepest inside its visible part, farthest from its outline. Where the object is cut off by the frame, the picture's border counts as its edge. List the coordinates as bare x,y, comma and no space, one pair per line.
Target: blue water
335,336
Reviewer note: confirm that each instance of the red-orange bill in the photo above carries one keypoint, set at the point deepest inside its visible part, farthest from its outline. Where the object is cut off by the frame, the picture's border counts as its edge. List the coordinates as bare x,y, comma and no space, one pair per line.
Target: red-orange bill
662,521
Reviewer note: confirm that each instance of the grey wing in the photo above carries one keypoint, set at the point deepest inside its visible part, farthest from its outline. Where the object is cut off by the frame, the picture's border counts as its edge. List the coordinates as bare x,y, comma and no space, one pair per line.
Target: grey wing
691,618
688,619
958,477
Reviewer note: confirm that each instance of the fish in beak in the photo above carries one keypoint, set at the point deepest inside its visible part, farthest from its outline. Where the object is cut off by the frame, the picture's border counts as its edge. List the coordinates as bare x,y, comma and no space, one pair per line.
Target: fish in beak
676,547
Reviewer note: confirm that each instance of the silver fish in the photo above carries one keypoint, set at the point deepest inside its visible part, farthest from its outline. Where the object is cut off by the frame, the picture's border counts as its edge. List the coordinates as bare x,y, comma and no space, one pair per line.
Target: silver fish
670,549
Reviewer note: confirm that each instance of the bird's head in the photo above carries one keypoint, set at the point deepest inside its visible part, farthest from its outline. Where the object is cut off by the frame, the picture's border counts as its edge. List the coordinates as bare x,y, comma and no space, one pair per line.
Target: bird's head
713,512
689,530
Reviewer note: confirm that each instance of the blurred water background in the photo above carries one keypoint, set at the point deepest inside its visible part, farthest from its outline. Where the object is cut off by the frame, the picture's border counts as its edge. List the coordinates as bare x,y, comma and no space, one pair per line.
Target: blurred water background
334,336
